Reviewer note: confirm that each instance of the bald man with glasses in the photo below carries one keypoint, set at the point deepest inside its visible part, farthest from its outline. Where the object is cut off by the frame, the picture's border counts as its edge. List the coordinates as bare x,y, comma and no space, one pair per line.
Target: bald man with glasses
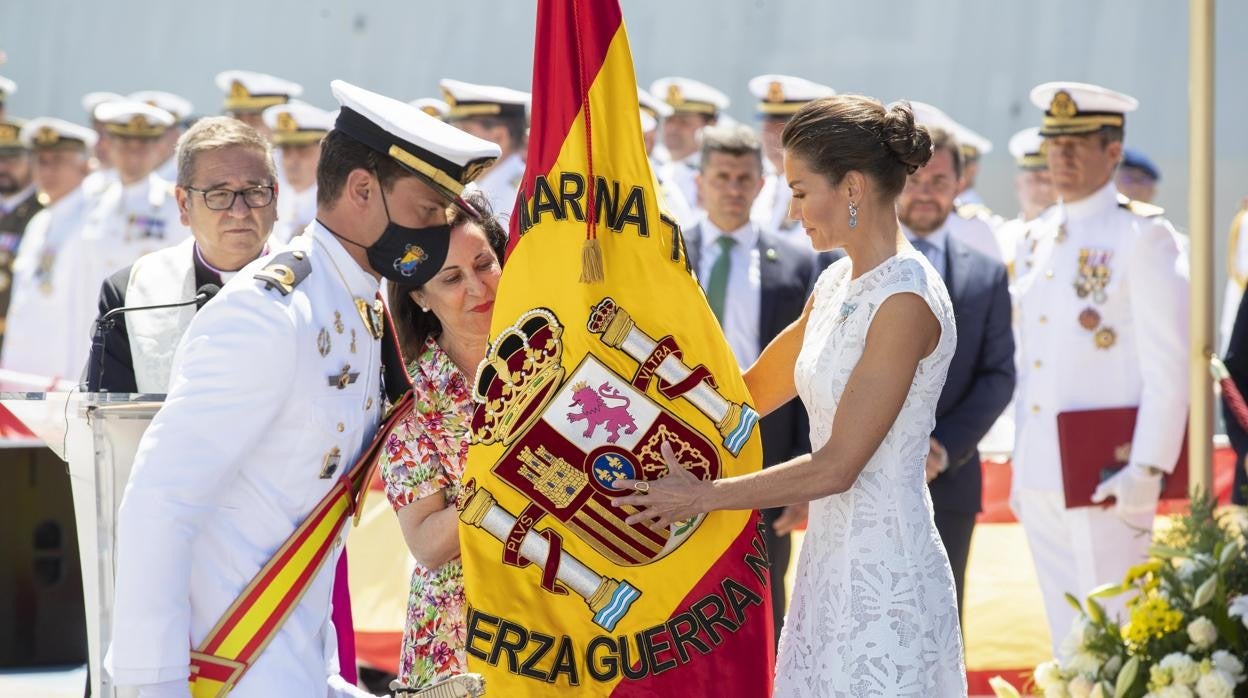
227,196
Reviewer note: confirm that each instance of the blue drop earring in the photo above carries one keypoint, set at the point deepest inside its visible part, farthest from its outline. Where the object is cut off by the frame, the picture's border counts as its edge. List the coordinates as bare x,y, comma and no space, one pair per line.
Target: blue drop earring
853,216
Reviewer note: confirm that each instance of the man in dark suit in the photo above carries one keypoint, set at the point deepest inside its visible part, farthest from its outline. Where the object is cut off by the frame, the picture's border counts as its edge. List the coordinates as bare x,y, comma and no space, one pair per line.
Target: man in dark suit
981,375
757,283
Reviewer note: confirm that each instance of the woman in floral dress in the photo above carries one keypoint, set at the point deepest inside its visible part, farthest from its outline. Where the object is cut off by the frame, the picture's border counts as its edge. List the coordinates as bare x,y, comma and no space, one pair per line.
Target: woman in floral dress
443,326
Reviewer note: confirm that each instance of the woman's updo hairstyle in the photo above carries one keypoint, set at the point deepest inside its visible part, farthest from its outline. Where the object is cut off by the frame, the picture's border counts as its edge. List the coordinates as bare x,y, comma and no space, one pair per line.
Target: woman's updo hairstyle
834,135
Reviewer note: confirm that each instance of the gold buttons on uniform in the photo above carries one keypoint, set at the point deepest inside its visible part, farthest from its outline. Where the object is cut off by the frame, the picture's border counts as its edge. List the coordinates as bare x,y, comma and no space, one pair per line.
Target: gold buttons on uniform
1043,319
1048,274
1037,363
369,405
1035,409
341,427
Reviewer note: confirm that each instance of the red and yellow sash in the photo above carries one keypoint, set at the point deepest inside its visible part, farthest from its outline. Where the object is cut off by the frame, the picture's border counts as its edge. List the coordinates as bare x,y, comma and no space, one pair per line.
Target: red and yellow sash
254,618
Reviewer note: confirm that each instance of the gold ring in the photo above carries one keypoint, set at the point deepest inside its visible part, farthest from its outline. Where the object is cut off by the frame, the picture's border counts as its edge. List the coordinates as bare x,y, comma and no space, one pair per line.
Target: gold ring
642,487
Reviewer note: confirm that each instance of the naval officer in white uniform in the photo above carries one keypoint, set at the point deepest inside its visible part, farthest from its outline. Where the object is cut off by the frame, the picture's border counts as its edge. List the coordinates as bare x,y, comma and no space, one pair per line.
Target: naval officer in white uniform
275,391
297,129
499,115
695,105
1101,303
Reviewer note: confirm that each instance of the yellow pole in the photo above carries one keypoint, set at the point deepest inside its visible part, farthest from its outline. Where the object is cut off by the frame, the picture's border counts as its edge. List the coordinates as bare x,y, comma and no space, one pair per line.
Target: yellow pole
1200,227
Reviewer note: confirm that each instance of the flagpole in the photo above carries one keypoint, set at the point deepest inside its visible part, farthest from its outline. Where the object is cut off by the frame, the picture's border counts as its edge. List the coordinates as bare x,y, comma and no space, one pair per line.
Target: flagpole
1200,228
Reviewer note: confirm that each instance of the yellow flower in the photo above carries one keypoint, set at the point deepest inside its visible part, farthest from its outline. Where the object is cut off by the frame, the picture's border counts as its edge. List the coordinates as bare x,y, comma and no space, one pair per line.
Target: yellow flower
1137,571
1152,617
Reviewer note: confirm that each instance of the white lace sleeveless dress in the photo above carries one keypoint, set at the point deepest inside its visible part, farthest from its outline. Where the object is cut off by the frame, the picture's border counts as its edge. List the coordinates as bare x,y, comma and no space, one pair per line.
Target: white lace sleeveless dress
874,612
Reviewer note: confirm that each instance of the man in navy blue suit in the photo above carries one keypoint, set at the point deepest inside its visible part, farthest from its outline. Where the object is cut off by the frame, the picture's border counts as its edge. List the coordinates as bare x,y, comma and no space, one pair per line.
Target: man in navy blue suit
981,375
757,283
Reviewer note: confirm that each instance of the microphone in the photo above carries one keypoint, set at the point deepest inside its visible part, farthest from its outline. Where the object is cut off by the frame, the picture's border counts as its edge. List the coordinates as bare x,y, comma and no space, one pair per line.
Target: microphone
108,321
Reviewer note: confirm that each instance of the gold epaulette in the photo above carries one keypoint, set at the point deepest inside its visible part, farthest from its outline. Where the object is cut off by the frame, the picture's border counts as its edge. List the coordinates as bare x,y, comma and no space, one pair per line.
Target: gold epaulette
285,271
1140,208
971,211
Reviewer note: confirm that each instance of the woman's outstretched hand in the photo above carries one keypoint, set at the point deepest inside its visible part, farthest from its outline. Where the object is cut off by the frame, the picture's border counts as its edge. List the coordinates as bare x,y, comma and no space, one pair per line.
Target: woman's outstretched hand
675,497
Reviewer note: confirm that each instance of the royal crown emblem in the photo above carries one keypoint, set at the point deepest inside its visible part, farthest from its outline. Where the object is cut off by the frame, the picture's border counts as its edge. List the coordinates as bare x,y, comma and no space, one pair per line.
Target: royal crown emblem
675,96
1062,106
138,124
238,91
47,136
775,92
8,133
447,97
518,377
286,123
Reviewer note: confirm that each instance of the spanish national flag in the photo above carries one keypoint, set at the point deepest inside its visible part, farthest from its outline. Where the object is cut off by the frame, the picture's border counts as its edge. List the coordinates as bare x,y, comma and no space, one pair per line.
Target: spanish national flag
602,348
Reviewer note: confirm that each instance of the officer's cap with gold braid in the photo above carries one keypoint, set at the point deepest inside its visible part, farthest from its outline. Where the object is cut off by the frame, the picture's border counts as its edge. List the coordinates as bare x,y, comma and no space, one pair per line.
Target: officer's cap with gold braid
10,132
781,96
7,89
247,91
180,107
48,133
443,156
655,107
970,143
432,106
688,96
465,100
133,119
298,123
1073,108
91,100
1027,147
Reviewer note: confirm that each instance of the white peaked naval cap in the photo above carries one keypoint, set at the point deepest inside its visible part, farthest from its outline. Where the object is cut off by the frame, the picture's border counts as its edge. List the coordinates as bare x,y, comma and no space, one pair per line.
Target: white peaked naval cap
444,156
47,132
689,96
783,95
1072,108
248,91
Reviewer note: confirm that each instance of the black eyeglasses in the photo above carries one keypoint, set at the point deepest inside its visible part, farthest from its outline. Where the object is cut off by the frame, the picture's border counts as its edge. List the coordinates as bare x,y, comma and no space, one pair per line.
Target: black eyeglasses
223,199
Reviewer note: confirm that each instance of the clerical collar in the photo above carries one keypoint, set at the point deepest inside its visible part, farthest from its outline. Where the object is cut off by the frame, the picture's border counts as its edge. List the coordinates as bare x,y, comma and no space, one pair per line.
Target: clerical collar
221,274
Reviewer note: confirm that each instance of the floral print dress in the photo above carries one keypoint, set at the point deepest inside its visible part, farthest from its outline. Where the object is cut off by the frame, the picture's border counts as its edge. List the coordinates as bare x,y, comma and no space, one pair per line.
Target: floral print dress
424,457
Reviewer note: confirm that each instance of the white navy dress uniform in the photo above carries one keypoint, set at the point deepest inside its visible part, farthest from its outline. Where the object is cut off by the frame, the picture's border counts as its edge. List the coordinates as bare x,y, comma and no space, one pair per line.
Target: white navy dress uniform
779,97
1101,311
296,123
688,96
98,181
464,100
127,221
180,108
43,337
1025,147
286,363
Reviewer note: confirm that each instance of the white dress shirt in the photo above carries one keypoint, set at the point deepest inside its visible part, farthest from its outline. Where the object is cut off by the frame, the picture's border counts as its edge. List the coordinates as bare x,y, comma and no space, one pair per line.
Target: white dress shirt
742,297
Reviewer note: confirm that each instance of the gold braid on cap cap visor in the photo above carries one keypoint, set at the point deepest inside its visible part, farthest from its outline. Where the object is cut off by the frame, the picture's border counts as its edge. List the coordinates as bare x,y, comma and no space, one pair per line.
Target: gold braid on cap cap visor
1033,161
297,137
460,111
136,128
1073,125
439,178
780,107
694,107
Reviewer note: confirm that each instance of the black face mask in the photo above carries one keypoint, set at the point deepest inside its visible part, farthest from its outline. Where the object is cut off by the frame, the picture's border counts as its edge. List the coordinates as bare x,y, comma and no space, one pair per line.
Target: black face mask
409,256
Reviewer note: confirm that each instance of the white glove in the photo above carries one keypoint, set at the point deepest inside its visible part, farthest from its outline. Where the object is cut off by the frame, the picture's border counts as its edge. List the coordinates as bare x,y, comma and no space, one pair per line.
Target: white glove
1135,490
181,688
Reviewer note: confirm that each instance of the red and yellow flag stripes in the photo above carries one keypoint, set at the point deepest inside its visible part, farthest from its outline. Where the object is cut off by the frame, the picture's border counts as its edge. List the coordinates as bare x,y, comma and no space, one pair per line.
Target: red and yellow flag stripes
603,348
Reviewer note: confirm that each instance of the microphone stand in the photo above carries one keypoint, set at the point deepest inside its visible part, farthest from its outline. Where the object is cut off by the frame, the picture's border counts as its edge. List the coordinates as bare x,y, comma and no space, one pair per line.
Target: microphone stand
108,321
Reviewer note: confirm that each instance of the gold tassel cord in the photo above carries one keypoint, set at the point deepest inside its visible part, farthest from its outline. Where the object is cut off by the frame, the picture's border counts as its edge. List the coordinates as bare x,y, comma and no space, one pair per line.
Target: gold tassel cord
591,262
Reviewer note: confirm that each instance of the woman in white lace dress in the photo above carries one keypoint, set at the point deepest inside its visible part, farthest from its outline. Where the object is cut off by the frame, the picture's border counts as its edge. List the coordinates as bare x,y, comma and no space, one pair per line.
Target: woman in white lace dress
874,611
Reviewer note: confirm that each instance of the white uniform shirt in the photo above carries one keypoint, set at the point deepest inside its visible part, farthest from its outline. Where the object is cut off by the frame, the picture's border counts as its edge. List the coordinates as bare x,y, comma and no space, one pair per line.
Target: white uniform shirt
295,210
500,185
742,298
233,463
48,332
1145,305
682,174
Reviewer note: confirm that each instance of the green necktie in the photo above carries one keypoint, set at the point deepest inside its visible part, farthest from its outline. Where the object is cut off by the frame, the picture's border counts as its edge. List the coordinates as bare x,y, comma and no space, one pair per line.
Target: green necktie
717,282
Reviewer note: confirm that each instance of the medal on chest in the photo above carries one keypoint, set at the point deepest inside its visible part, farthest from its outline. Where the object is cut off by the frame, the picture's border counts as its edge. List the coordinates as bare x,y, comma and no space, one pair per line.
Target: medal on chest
1091,281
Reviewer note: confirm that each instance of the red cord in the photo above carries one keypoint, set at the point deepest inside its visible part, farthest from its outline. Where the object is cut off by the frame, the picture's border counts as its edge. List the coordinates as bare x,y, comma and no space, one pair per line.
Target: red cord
590,216
1235,401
